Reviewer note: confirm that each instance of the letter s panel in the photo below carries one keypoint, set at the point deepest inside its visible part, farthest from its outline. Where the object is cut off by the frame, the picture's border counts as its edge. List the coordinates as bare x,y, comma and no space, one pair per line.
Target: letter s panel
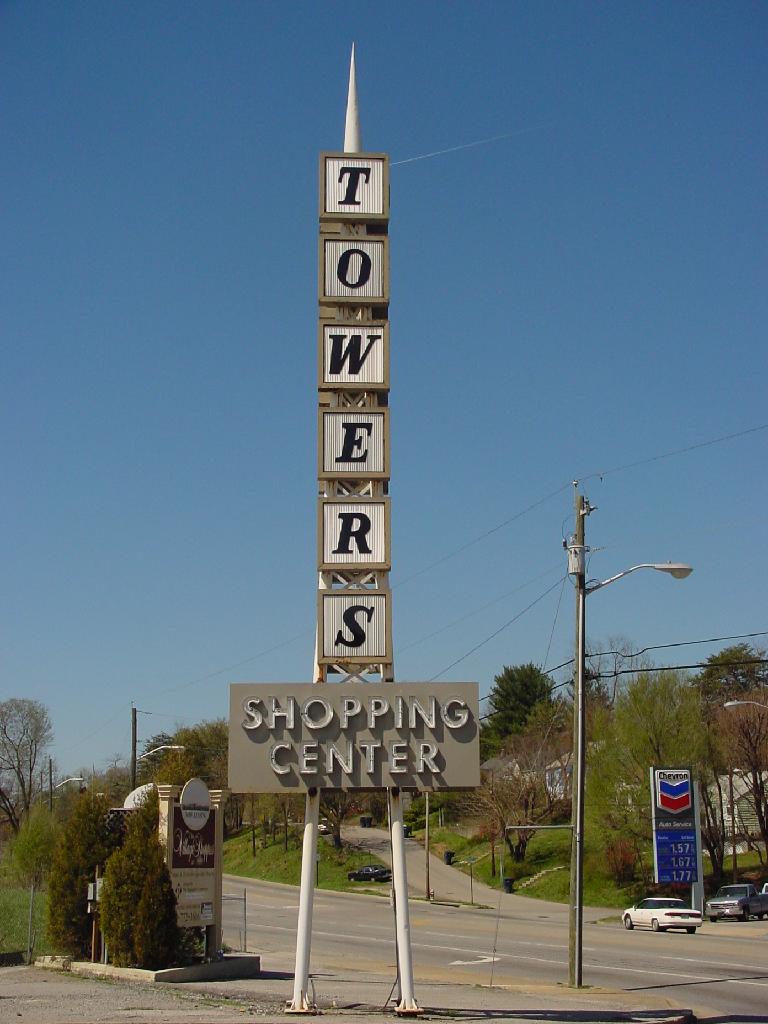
354,533
355,626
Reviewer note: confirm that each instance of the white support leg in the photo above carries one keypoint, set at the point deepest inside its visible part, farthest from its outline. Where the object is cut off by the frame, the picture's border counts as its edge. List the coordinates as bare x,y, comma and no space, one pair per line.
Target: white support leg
301,1002
407,1005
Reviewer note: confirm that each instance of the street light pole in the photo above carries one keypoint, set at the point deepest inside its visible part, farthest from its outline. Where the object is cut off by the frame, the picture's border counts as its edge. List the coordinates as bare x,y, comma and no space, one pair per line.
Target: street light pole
426,843
577,567
577,550
133,747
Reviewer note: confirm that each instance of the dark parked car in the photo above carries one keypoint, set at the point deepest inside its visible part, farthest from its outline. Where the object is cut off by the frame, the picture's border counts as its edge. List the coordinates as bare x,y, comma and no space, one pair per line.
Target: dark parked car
370,873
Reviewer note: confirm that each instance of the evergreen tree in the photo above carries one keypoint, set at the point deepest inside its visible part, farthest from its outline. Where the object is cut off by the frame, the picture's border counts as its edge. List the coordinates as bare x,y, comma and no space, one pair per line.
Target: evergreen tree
732,673
83,843
516,691
138,906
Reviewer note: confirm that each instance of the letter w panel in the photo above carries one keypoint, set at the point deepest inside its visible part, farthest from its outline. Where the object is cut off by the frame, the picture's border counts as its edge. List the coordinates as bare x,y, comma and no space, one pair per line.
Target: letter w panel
353,356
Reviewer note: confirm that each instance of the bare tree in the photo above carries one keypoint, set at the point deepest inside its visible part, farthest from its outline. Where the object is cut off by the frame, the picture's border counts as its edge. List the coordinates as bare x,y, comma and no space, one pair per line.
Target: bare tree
25,732
528,783
745,730
336,805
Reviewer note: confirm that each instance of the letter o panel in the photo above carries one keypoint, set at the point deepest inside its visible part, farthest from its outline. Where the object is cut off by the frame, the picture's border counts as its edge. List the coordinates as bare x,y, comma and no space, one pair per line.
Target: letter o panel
354,270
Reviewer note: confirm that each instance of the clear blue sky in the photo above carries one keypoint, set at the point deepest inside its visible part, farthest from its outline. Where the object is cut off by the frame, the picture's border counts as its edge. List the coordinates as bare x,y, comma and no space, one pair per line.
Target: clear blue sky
585,294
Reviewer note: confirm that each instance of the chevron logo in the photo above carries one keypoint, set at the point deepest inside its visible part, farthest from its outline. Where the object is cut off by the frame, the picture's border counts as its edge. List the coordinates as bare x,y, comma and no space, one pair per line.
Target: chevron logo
673,791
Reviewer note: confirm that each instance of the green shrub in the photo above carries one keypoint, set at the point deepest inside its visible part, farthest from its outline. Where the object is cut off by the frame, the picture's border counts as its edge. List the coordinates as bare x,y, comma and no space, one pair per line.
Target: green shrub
32,848
83,843
138,907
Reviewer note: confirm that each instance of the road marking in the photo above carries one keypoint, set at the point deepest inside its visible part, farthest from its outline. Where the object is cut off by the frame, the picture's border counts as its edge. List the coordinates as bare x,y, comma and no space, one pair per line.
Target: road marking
716,963
471,963
537,959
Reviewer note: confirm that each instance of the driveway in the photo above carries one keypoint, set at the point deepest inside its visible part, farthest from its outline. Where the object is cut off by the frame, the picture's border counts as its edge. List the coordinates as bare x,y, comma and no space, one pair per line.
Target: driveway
451,885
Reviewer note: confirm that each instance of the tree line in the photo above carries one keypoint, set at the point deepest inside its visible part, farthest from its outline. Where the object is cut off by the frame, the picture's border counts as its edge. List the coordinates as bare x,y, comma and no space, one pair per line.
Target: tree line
638,715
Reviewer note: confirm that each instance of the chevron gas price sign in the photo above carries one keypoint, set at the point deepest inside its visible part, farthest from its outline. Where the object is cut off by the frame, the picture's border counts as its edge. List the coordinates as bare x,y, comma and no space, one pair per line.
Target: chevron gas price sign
675,826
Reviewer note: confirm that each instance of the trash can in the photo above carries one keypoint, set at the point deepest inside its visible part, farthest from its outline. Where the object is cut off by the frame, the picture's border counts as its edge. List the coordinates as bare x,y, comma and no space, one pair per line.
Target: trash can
407,831
448,857
506,884
366,821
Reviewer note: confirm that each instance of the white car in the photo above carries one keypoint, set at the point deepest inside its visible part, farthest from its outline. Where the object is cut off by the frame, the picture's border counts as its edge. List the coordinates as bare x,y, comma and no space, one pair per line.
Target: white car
661,913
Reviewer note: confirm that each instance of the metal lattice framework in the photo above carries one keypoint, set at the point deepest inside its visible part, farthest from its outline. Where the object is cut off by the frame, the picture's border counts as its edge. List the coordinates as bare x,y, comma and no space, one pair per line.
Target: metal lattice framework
354,309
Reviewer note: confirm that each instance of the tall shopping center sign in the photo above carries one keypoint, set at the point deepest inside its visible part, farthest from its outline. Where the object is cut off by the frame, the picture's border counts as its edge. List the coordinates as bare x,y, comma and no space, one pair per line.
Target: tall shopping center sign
365,731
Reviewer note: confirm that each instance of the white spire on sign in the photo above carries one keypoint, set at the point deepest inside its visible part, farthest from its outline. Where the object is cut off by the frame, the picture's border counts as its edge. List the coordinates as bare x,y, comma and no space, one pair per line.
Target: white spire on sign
352,123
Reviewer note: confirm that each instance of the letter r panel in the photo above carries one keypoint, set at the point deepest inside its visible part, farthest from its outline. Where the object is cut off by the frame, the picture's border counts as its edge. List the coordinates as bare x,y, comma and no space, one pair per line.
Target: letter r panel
372,374
371,194
376,645
337,427
330,527
365,260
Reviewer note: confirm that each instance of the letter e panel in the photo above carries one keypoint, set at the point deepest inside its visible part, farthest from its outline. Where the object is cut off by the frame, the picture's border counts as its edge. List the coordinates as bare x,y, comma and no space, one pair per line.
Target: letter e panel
355,627
353,444
354,188
354,534
353,356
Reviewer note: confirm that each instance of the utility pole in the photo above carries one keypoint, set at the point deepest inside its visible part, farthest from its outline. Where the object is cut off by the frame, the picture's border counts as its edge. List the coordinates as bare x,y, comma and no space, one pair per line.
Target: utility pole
133,746
577,569
426,840
50,784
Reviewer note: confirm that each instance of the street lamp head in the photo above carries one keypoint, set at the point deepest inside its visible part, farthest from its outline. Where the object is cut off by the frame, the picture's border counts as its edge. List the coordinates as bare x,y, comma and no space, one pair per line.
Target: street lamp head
72,778
677,569
163,746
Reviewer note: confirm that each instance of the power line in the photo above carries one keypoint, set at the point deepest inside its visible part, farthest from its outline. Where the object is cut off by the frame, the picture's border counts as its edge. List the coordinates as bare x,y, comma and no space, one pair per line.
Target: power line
677,451
662,647
653,647
671,668
469,145
484,536
589,476
476,611
554,621
497,631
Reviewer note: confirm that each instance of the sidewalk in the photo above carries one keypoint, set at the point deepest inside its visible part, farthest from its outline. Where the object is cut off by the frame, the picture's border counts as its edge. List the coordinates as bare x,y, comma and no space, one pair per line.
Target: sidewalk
32,994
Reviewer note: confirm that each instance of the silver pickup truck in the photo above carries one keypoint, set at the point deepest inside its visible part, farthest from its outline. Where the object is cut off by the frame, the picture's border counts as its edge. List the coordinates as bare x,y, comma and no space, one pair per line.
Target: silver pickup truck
741,901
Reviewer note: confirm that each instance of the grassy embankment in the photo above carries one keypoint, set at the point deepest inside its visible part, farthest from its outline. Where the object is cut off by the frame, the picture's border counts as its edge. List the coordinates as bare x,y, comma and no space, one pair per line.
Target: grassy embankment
272,863
547,850
552,850
14,916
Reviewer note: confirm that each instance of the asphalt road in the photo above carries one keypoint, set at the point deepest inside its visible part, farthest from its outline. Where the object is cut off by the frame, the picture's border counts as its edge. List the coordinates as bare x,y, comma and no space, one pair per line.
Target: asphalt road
719,972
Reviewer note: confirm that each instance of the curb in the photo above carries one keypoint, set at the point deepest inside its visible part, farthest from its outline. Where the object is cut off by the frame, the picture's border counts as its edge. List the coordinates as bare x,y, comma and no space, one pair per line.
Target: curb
231,968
